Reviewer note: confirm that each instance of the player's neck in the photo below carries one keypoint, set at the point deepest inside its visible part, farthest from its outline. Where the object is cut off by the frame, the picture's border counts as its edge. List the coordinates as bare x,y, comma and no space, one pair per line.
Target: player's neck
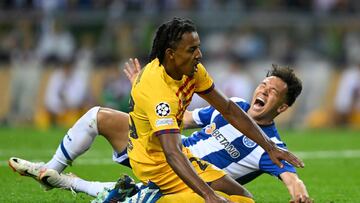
171,70
266,123
263,121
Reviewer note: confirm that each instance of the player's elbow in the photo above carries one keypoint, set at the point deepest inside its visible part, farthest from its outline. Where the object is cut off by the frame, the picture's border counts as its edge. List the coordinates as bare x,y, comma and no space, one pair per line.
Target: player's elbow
188,120
189,125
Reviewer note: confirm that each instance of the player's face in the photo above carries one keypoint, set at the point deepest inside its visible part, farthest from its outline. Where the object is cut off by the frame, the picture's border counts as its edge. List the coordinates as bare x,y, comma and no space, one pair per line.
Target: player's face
187,54
268,100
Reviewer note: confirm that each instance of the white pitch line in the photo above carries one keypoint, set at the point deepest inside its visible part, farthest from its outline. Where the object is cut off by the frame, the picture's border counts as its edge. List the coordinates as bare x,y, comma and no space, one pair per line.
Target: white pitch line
302,154
329,154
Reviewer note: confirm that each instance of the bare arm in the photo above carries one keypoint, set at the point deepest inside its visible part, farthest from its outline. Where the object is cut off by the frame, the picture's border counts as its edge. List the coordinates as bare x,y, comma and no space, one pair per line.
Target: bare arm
296,188
242,122
188,120
171,144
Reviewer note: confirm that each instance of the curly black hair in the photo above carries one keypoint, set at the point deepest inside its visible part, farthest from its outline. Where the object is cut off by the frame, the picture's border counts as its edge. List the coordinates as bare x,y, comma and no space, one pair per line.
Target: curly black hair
168,35
287,75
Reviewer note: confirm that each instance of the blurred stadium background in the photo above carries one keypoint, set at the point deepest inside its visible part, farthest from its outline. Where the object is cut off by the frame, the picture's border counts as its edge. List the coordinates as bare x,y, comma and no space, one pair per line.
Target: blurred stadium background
60,57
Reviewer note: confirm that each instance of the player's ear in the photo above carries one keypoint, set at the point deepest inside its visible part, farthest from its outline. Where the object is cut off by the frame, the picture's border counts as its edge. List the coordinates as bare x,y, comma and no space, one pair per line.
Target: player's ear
170,52
282,108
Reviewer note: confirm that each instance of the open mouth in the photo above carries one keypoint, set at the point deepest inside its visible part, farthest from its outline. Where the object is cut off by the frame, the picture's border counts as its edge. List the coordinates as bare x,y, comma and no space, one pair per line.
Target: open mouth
195,67
259,102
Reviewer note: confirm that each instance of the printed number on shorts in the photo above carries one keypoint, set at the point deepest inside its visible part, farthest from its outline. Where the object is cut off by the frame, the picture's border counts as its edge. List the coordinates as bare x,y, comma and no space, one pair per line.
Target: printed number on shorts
202,164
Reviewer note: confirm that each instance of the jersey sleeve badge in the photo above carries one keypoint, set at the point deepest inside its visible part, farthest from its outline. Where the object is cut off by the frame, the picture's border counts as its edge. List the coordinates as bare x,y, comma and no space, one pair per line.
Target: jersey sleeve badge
162,109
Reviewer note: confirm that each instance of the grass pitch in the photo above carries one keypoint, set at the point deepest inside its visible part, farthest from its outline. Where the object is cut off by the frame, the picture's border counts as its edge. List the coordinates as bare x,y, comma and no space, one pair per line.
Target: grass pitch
332,158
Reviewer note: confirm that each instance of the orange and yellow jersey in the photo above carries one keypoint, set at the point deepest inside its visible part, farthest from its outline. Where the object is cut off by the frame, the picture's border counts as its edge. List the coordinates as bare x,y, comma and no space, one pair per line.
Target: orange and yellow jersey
157,104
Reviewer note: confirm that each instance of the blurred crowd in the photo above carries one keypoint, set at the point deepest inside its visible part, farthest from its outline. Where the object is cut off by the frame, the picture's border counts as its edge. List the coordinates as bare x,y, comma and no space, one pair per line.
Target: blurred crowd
59,66
318,6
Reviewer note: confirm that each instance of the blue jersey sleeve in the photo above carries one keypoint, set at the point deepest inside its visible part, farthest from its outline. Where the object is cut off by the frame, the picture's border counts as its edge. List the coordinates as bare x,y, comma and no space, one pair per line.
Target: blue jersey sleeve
267,166
241,103
202,116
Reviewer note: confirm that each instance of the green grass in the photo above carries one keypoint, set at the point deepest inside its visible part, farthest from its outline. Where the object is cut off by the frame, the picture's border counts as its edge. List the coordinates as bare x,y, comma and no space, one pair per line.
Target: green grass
328,179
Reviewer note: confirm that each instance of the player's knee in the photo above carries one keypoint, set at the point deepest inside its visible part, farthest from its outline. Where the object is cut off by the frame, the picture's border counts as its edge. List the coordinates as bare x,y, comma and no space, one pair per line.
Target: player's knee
104,116
113,125
100,115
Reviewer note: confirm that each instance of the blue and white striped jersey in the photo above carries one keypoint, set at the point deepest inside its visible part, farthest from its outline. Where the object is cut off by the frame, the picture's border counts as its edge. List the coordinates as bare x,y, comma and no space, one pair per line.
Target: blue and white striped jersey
227,148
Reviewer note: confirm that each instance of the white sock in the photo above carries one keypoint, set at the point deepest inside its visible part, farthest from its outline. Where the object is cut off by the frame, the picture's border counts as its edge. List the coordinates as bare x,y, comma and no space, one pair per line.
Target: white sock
77,141
90,187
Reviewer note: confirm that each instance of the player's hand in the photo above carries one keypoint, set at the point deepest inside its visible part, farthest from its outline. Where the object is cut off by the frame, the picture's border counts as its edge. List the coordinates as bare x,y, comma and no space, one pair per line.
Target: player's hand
132,69
215,198
302,199
277,154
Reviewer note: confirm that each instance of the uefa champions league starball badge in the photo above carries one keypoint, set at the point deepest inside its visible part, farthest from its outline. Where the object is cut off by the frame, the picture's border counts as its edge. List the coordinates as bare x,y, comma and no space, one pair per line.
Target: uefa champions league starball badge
162,109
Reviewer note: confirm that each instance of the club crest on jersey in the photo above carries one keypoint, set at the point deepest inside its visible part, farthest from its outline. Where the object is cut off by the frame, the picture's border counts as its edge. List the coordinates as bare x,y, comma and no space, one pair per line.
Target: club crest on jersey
210,128
248,142
162,109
